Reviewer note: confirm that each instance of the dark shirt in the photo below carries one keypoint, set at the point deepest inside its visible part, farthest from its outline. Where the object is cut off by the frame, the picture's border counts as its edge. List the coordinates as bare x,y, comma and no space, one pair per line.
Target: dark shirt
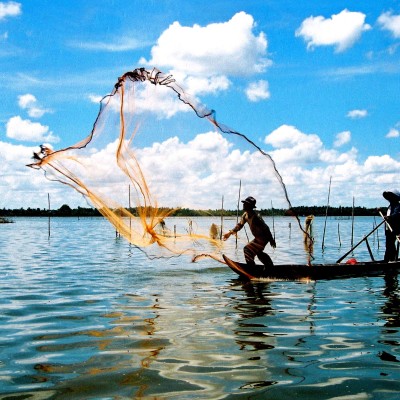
393,214
258,227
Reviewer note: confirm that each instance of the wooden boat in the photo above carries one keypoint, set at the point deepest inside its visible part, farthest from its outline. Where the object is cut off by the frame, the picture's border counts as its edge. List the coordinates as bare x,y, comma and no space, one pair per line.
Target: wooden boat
312,272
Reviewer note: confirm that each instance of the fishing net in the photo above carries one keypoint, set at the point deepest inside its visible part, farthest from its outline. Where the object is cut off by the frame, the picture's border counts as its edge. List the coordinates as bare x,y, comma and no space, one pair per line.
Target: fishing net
154,149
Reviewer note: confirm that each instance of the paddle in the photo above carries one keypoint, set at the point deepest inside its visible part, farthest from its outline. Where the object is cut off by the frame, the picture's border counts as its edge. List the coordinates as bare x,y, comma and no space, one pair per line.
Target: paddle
365,237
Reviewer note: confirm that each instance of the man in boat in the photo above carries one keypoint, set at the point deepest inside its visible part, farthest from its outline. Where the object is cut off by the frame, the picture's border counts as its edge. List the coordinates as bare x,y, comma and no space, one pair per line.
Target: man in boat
259,229
392,228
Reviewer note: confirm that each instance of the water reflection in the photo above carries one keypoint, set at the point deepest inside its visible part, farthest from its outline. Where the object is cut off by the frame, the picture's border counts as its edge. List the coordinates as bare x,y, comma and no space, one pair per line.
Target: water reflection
252,329
391,308
97,319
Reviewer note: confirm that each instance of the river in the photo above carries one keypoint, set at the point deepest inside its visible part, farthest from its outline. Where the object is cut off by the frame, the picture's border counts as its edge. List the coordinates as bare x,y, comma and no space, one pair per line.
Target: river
86,315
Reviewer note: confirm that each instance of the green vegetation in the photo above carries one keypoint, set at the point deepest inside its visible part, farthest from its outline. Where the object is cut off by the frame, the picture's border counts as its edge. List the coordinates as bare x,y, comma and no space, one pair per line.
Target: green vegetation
66,211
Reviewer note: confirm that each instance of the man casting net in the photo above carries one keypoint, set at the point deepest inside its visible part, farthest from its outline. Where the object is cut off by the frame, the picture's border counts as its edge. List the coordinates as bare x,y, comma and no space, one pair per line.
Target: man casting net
163,150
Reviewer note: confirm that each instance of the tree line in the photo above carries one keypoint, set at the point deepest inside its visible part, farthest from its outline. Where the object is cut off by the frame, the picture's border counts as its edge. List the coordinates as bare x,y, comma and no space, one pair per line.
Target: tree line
66,211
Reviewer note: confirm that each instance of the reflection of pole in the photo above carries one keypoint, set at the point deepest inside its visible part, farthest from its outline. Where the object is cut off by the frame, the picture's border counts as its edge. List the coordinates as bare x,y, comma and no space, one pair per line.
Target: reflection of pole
237,209
48,200
130,211
326,214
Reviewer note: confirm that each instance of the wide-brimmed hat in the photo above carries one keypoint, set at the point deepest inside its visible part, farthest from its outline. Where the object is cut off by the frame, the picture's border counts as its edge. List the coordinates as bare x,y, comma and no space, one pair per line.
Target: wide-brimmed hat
392,194
251,201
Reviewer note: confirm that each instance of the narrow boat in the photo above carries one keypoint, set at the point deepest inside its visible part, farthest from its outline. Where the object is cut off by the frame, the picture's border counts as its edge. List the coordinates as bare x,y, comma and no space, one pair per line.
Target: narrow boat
312,272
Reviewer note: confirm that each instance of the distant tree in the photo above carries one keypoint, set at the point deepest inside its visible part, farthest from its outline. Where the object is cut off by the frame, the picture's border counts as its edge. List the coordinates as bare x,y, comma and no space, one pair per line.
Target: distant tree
64,211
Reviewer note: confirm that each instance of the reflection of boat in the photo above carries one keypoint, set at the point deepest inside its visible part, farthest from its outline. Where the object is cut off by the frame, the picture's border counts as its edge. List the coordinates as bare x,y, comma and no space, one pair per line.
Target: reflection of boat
312,272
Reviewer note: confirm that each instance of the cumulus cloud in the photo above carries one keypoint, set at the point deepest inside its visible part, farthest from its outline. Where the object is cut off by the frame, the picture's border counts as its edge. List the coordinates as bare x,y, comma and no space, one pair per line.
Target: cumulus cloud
219,48
340,30
303,160
9,9
258,91
29,102
391,23
356,114
291,145
26,130
342,138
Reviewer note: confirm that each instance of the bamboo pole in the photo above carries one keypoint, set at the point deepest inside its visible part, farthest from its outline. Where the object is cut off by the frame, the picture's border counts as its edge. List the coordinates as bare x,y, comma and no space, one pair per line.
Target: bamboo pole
222,218
237,209
362,240
326,213
273,220
369,250
48,201
352,224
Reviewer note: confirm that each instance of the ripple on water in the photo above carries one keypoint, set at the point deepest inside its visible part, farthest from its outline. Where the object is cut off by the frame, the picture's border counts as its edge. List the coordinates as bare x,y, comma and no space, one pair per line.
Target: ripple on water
85,315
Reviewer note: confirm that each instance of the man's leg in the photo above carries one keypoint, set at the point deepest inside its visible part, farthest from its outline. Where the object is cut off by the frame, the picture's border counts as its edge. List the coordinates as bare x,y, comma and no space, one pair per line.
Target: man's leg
390,253
265,259
250,251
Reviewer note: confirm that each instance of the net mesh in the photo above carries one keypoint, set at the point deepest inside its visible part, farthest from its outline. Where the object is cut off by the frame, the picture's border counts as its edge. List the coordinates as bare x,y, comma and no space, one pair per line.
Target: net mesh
153,149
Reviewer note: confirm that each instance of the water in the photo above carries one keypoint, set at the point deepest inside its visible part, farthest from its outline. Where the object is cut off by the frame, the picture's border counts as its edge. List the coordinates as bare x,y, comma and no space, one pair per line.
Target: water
85,315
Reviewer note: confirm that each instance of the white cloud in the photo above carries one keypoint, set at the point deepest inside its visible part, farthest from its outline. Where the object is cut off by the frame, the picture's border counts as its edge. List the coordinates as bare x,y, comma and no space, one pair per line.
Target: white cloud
390,23
342,138
26,130
393,133
341,30
258,91
21,186
9,9
94,98
294,146
355,114
119,45
203,58
225,48
204,85
381,164
28,102
178,171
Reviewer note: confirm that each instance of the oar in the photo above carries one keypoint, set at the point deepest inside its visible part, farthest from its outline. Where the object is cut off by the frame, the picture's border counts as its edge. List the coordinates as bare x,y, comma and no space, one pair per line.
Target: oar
364,238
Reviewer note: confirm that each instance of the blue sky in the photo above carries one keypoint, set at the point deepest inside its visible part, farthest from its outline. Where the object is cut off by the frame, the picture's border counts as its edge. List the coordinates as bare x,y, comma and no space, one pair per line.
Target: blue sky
314,83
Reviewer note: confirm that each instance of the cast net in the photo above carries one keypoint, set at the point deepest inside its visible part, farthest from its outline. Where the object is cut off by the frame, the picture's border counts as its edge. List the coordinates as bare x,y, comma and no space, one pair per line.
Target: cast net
154,149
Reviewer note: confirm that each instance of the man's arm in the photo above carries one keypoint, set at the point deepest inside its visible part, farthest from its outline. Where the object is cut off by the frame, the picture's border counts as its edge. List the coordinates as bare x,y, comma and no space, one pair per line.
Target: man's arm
236,229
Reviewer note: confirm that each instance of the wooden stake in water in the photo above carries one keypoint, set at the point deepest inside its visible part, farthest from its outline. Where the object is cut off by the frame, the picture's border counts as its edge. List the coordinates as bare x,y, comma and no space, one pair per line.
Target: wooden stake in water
48,201
352,224
237,209
273,220
222,218
326,214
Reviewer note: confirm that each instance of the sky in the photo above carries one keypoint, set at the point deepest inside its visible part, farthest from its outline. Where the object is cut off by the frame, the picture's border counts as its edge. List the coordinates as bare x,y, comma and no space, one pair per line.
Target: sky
315,84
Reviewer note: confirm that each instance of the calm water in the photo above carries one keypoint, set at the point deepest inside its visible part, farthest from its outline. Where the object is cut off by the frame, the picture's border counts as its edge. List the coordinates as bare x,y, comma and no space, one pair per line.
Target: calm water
85,315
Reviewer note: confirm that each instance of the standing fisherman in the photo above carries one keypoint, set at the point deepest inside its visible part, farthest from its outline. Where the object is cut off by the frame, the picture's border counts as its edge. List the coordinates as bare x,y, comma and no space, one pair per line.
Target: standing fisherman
392,228
259,229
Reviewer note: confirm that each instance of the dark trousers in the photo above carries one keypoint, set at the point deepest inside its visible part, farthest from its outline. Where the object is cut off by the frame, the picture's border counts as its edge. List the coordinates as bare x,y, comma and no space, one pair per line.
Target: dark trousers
391,246
255,248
